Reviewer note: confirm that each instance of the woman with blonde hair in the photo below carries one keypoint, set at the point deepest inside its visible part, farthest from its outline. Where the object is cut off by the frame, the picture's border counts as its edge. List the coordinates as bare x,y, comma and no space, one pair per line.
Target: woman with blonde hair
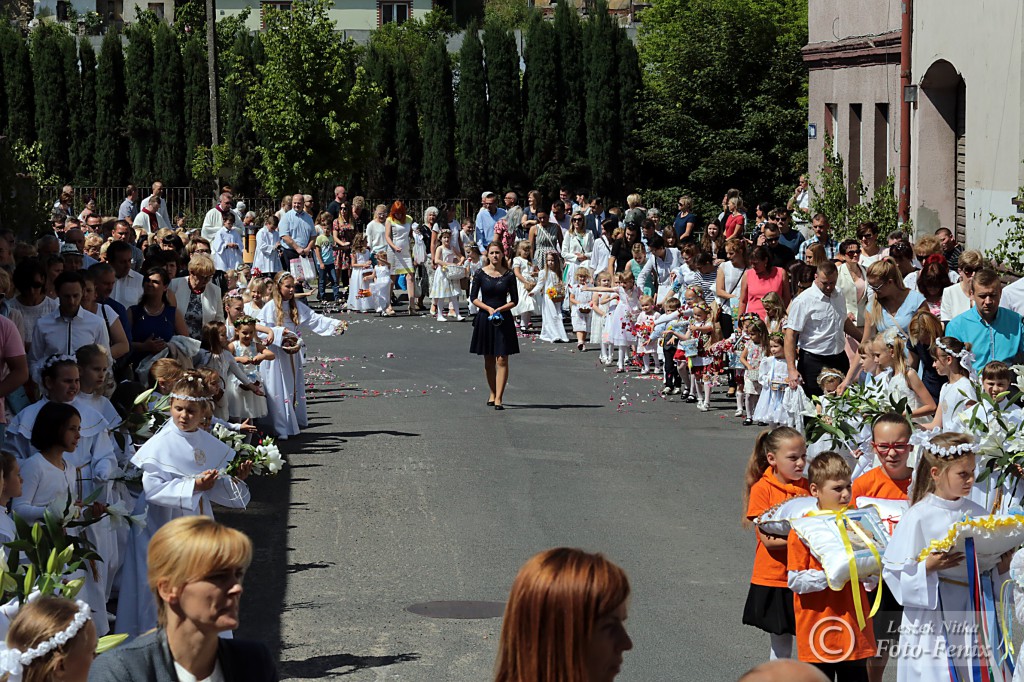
50,638
958,299
198,298
283,379
195,571
565,620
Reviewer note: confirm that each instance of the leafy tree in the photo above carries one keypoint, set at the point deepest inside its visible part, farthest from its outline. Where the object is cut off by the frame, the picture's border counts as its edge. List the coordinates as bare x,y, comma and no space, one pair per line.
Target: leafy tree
53,123
86,140
509,13
310,103
505,121
112,153
409,41
541,135
601,75
17,85
169,161
437,118
570,92
725,106
195,97
471,114
139,117
72,96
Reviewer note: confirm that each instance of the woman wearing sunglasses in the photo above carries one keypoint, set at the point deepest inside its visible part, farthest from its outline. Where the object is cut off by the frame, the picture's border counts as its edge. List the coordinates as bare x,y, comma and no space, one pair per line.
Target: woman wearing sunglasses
870,251
957,299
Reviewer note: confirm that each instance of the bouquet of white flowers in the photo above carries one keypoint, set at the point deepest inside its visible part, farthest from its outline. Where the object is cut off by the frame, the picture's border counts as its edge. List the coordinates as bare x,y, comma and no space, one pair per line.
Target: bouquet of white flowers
265,456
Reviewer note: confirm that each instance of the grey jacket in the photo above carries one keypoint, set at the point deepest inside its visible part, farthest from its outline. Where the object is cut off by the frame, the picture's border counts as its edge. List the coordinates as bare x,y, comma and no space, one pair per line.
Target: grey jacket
148,659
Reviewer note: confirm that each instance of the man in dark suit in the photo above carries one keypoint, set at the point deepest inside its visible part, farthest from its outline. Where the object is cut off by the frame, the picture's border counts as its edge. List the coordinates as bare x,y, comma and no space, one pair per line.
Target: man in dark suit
595,217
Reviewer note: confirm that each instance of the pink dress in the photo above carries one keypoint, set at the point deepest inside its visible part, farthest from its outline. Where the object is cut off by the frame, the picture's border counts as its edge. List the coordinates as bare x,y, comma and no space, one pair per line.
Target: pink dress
758,286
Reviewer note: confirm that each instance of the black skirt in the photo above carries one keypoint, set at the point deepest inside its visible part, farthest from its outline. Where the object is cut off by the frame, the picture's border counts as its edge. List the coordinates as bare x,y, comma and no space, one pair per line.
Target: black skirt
889,617
491,340
770,609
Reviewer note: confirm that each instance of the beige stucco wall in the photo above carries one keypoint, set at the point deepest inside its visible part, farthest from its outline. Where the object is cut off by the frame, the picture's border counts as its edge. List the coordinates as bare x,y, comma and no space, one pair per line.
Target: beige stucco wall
829,20
350,15
982,40
867,86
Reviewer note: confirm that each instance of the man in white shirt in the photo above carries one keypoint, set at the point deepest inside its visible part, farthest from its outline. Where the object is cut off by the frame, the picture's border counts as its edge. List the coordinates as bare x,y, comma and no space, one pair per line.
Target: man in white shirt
560,215
68,328
128,285
800,206
816,325
158,192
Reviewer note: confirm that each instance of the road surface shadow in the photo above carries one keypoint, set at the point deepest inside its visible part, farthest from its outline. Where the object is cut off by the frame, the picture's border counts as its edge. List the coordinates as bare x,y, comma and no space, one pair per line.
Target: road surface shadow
323,666
562,406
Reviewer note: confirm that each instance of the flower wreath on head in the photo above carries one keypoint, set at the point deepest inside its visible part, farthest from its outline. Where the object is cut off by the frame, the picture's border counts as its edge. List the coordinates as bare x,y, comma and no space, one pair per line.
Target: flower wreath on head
831,374
965,357
54,359
924,439
13,660
702,305
192,379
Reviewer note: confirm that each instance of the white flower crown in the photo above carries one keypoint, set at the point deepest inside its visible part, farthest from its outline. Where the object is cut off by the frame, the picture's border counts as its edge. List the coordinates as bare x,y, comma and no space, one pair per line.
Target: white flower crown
190,398
924,439
13,661
831,374
54,359
965,357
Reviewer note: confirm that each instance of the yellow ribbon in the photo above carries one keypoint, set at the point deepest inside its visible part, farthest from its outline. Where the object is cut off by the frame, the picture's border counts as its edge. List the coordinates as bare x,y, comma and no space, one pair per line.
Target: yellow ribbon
841,521
1001,612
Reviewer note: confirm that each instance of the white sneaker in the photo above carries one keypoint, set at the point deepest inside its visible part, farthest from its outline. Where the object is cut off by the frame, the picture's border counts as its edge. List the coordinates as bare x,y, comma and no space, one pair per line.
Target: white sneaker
643,370
702,406
739,412
459,318
677,391
442,318
667,390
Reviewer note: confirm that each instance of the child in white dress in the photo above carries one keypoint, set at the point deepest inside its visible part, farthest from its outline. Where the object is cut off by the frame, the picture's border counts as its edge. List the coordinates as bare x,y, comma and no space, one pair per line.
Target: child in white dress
623,319
526,279
550,292
938,620
48,479
753,352
607,303
359,298
258,294
581,306
283,378
598,312
248,353
953,359
218,358
183,473
11,488
443,289
227,245
380,287
473,265
772,375
890,351
646,346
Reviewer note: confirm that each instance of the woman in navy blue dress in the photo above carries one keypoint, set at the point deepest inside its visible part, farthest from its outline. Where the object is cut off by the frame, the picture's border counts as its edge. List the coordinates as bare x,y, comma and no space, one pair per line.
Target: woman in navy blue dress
494,292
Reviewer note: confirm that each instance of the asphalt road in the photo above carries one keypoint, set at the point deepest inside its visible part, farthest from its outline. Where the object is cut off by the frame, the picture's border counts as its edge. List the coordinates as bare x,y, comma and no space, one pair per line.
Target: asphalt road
407,489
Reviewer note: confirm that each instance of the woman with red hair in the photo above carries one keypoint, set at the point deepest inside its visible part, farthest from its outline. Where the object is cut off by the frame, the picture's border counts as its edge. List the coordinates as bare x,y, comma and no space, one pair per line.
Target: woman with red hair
397,233
565,620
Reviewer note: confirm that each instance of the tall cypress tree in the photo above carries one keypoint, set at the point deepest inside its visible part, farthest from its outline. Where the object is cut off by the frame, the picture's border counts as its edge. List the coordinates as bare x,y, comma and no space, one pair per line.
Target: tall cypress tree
380,172
86,141
112,151
53,123
630,85
437,114
601,74
4,30
169,163
138,78
541,135
73,102
471,114
196,98
17,85
571,95
408,145
236,128
505,122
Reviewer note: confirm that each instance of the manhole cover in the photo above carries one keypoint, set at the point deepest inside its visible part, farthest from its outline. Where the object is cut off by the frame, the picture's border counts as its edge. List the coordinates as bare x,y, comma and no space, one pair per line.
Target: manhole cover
458,609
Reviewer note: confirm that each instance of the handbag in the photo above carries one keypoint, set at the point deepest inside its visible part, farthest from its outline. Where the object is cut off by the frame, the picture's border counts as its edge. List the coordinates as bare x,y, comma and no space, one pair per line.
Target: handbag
455,273
308,269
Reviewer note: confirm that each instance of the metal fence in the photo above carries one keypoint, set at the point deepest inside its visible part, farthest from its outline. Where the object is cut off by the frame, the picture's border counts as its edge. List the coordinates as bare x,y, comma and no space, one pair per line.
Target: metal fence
195,203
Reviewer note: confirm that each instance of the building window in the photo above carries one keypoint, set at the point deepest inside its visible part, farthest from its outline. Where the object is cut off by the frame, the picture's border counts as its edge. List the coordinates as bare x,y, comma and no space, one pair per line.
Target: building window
853,161
281,5
157,8
881,151
62,10
393,12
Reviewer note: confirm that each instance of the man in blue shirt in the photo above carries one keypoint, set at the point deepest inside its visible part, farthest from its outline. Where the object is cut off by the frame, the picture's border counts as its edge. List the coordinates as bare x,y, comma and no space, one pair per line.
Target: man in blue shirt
993,332
487,218
297,232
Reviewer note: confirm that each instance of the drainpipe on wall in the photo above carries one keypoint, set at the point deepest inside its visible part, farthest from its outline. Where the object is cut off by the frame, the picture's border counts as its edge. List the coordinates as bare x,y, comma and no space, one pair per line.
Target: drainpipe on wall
906,30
